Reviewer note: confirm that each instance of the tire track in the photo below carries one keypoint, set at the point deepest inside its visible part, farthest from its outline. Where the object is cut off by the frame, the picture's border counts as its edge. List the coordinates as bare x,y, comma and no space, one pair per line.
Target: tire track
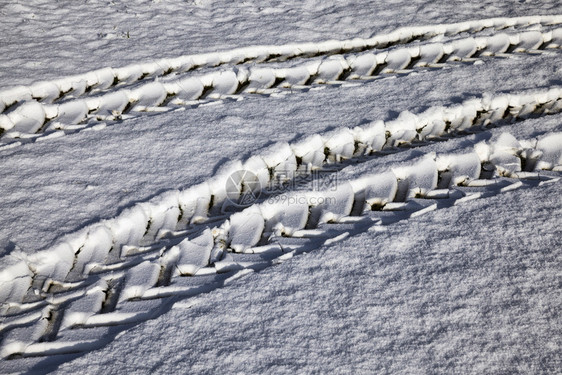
79,294
106,78
269,233
31,119
146,227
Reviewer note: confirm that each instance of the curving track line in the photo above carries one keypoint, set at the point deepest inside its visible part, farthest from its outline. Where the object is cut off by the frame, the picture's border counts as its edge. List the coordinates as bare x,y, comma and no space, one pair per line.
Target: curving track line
28,120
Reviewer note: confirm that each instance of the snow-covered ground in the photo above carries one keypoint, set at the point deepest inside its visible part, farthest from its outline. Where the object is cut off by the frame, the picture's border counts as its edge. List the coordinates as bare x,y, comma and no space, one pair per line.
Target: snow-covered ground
436,247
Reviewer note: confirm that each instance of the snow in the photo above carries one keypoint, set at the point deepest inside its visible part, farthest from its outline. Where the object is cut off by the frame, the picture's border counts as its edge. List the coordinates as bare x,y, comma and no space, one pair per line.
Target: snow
423,298
130,134
193,254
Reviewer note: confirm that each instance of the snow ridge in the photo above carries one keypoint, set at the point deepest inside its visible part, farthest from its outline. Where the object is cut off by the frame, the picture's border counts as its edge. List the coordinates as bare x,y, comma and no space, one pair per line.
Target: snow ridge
70,316
78,294
103,78
24,117
175,211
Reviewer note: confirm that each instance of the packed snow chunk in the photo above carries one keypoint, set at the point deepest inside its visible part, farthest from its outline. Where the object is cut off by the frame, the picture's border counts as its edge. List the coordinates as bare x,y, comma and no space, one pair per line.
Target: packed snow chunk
458,169
397,60
29,117
113,103
226,184
496,44
225,83
164,212
310,152
194,253
189,88
54,263
284,215
261,78
15,280
381,189
556,38
95,249
505,154
295,76
257,53
78,86
65,85
72,112
529,40
194,204
331,69
432,123
246,228
281,161
430,53
353,44
331,205
403,129
551,148
129,227
418,178
370,137
14,95
149,95
497,106
257,177
464,48
46,91
243,188
139,279
331,45
363,65
339,144
79,310
105,78
522,105
461,117
129,74
17,339
5,124
405,34
153,69
547,99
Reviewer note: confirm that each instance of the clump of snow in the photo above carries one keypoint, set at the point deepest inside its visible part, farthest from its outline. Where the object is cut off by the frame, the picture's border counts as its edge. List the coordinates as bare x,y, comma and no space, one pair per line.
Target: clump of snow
459,169
191,254
381,189
284,217
371,137
418,178
310,151
150,95
129,227
139,279
551,148
28,117
339,144
245,229
504,154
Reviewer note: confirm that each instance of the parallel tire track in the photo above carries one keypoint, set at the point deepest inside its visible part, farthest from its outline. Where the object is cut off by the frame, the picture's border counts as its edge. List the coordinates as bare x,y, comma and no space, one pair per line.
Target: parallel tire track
107,78
32,119
78,294
269,233
105,245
